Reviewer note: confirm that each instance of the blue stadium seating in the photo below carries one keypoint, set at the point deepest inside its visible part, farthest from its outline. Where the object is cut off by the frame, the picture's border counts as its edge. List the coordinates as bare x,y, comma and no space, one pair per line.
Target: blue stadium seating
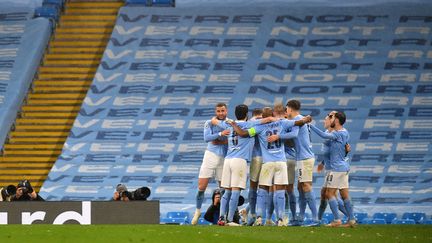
178,214
403,221
49,11
59,3
136,2
374,221
180,221
324,221
360,217
23,41
427,221
417,217
150,3
388,217
202,221
161,3
328,216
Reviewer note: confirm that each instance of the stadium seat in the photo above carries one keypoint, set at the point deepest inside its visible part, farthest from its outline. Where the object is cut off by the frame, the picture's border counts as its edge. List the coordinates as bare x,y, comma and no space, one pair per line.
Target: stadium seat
179,221
328,216
417,217
374,221
49,12
136,2
308,221
403,221
59,3
202,221
178,214
388,217
428,221
149,3
324,221
360,217
163,3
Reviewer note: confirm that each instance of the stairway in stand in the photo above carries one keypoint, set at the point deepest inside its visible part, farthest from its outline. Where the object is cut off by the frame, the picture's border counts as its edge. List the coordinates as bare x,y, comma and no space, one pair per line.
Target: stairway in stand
57,93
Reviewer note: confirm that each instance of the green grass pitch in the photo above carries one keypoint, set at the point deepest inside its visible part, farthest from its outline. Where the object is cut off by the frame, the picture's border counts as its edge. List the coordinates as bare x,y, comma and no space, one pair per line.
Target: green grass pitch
178,234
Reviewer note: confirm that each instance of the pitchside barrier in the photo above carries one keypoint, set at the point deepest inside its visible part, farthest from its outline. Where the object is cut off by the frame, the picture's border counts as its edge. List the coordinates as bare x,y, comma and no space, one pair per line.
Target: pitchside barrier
86,212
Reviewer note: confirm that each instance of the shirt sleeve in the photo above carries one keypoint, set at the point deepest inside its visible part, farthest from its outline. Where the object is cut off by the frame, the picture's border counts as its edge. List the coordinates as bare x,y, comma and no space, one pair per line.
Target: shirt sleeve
254,123
325,135
208,135
223,125
288,135
287,124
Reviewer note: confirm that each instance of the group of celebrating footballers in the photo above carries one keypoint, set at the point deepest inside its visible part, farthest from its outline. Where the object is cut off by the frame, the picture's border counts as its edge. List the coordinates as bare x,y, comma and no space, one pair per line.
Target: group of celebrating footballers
275,141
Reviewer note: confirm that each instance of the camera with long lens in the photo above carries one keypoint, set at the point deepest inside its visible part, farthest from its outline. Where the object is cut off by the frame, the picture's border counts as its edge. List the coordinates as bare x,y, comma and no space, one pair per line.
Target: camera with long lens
25,187
141,193
125,194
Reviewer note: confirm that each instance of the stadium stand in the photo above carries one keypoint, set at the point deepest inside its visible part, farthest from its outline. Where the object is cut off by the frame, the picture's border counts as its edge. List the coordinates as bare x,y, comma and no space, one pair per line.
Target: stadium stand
23,41
164,69
56,94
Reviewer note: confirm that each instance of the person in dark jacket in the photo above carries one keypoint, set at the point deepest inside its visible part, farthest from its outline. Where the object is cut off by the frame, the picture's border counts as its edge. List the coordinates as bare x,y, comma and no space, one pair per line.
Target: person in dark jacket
7,193
25,192
212,213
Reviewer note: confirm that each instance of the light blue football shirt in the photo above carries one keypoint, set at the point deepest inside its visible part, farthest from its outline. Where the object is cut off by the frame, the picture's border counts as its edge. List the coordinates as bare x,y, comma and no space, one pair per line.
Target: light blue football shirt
211,133
274,151
337,153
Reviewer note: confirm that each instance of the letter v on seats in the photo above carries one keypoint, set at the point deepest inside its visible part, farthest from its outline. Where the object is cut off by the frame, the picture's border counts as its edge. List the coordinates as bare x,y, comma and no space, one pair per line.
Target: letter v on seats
111,54
122,30
100,78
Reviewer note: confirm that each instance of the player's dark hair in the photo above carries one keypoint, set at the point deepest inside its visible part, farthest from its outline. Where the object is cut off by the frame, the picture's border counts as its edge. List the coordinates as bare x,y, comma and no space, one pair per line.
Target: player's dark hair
340,115
241,111
294,104
221,105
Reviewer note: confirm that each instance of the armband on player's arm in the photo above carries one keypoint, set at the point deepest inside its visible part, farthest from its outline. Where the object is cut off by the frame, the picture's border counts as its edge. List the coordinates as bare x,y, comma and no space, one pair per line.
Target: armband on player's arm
251,132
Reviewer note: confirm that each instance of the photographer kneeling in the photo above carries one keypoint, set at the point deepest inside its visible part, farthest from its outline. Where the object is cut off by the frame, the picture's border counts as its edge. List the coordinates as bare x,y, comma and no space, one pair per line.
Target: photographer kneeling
122,194
7,193
25,192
